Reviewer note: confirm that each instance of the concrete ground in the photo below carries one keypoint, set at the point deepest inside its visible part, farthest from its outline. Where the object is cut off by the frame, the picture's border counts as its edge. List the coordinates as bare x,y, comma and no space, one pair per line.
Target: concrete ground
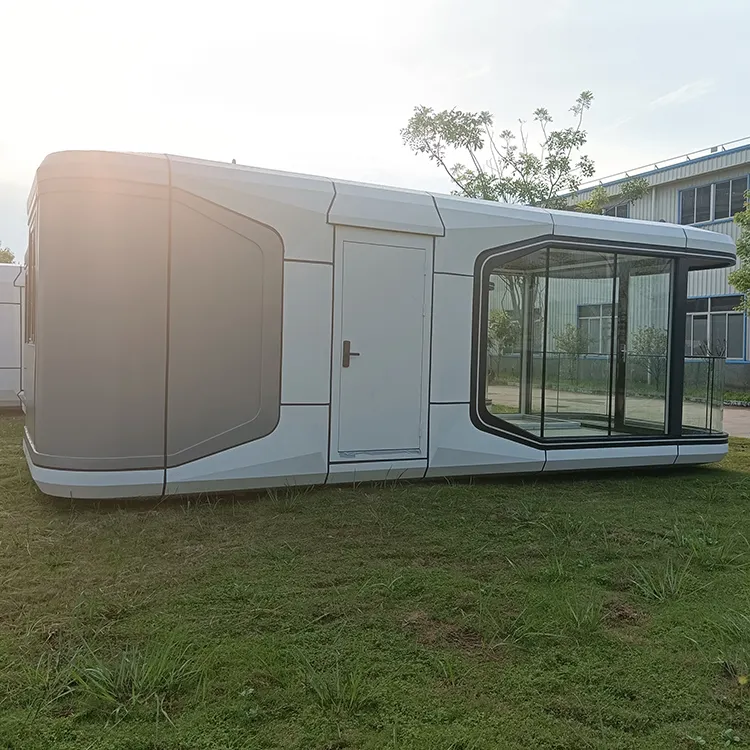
737,421
736,418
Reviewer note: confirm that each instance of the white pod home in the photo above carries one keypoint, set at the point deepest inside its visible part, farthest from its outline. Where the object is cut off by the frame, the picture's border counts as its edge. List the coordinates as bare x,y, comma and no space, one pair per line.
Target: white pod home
193,326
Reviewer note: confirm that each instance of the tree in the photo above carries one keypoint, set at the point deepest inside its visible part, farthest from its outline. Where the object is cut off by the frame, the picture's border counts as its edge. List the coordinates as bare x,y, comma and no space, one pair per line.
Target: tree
649,347
504,168
573,342
740,278
503,330
6,254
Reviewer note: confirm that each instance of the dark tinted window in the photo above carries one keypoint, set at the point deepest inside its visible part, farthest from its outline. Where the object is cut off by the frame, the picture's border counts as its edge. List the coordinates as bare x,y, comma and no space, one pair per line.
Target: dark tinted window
721,200
735,336
703,203
697,305
724,304
738,195
622,210
687,206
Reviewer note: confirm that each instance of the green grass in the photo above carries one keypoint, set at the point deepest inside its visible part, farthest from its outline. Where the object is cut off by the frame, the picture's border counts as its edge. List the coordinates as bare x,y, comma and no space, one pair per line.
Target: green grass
583,611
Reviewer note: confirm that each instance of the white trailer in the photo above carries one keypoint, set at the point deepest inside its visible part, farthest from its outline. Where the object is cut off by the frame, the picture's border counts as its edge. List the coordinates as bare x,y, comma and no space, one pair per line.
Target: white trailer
10,335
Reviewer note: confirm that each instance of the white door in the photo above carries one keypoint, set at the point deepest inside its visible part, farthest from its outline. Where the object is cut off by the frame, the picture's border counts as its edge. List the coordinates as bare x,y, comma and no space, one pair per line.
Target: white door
380,367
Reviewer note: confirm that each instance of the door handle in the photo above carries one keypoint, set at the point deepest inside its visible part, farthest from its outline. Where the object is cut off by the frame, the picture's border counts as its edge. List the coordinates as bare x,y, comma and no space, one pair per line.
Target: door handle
348,353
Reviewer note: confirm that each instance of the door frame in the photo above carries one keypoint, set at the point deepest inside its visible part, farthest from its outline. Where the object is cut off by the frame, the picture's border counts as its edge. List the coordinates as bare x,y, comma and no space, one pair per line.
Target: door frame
394,239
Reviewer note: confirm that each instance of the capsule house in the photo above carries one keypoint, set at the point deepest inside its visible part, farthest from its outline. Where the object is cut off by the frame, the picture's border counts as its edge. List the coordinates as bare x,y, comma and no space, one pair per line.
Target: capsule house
192,326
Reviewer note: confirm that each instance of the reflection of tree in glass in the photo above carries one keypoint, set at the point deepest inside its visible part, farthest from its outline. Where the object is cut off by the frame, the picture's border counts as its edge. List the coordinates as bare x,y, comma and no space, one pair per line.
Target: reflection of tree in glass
649,345
504,331
573,342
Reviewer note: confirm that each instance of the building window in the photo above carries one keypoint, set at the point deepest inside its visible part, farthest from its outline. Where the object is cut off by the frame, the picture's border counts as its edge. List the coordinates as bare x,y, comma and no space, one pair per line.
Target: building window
715,328
595,324
622,211
720,200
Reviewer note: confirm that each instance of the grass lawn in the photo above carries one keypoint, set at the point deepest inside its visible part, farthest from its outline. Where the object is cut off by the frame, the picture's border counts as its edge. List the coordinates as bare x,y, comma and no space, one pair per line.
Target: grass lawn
597,611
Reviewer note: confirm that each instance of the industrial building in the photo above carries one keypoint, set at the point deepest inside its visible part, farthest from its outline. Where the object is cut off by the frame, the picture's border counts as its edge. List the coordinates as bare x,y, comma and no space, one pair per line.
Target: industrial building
703,189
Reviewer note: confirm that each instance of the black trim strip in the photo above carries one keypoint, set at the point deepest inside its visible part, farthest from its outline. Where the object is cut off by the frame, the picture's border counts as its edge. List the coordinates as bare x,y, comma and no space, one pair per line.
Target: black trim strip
437,211
452,273
305,403
329,447
168,313
376,460
448,403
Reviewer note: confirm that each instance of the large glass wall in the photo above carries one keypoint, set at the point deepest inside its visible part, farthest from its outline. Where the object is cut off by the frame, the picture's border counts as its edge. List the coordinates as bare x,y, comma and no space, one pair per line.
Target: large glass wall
577,343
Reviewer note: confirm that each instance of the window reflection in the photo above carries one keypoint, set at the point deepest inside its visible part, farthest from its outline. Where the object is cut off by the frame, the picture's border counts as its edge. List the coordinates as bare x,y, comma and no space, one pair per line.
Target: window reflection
577,343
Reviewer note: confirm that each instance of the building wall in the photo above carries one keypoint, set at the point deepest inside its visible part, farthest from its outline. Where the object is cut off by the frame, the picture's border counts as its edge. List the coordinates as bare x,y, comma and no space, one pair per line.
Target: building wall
663,204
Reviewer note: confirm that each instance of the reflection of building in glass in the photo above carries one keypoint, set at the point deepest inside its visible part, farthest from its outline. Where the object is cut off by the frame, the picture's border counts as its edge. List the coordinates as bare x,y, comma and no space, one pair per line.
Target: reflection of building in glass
705,189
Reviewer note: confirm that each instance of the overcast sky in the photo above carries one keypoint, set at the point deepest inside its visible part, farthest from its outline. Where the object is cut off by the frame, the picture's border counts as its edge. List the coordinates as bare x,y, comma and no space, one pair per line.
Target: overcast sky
324,87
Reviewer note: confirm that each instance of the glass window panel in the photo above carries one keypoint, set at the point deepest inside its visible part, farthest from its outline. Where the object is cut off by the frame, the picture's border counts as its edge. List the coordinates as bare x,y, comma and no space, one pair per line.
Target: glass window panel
697,305
689,336
700,335
589,311
703,395
718,339
623,210
735,336
687,206
577,392
645,283
515,336
594,332
721,200
726,304
739,187
703,203
610,211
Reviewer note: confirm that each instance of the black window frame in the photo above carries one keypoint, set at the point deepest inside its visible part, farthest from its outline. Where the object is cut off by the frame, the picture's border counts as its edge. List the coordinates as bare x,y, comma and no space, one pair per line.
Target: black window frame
492,424
715,305
620,210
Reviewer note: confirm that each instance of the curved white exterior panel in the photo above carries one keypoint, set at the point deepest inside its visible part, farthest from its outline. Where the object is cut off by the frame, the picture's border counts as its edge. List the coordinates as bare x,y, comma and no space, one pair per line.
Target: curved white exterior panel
92,485
291,204
700,454
712,242
457,448
451,338
306,342
473,226
592,226
371,207
608,458
376,471
293,455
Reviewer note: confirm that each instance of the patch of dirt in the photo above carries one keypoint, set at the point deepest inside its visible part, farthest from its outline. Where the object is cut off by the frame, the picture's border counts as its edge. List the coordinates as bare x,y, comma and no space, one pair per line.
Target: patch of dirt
433,632
622,613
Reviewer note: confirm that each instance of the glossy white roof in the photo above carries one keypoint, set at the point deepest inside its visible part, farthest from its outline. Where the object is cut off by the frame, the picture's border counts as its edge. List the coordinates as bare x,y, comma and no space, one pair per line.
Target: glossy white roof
483,224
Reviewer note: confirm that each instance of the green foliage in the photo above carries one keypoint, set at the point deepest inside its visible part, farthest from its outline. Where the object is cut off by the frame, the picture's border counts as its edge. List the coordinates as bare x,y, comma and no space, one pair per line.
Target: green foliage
572,341
740,278
599,199
482,163
503,330
6,254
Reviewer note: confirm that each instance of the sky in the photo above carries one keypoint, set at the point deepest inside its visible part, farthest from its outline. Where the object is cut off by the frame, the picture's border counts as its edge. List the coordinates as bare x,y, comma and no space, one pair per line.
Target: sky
324,87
